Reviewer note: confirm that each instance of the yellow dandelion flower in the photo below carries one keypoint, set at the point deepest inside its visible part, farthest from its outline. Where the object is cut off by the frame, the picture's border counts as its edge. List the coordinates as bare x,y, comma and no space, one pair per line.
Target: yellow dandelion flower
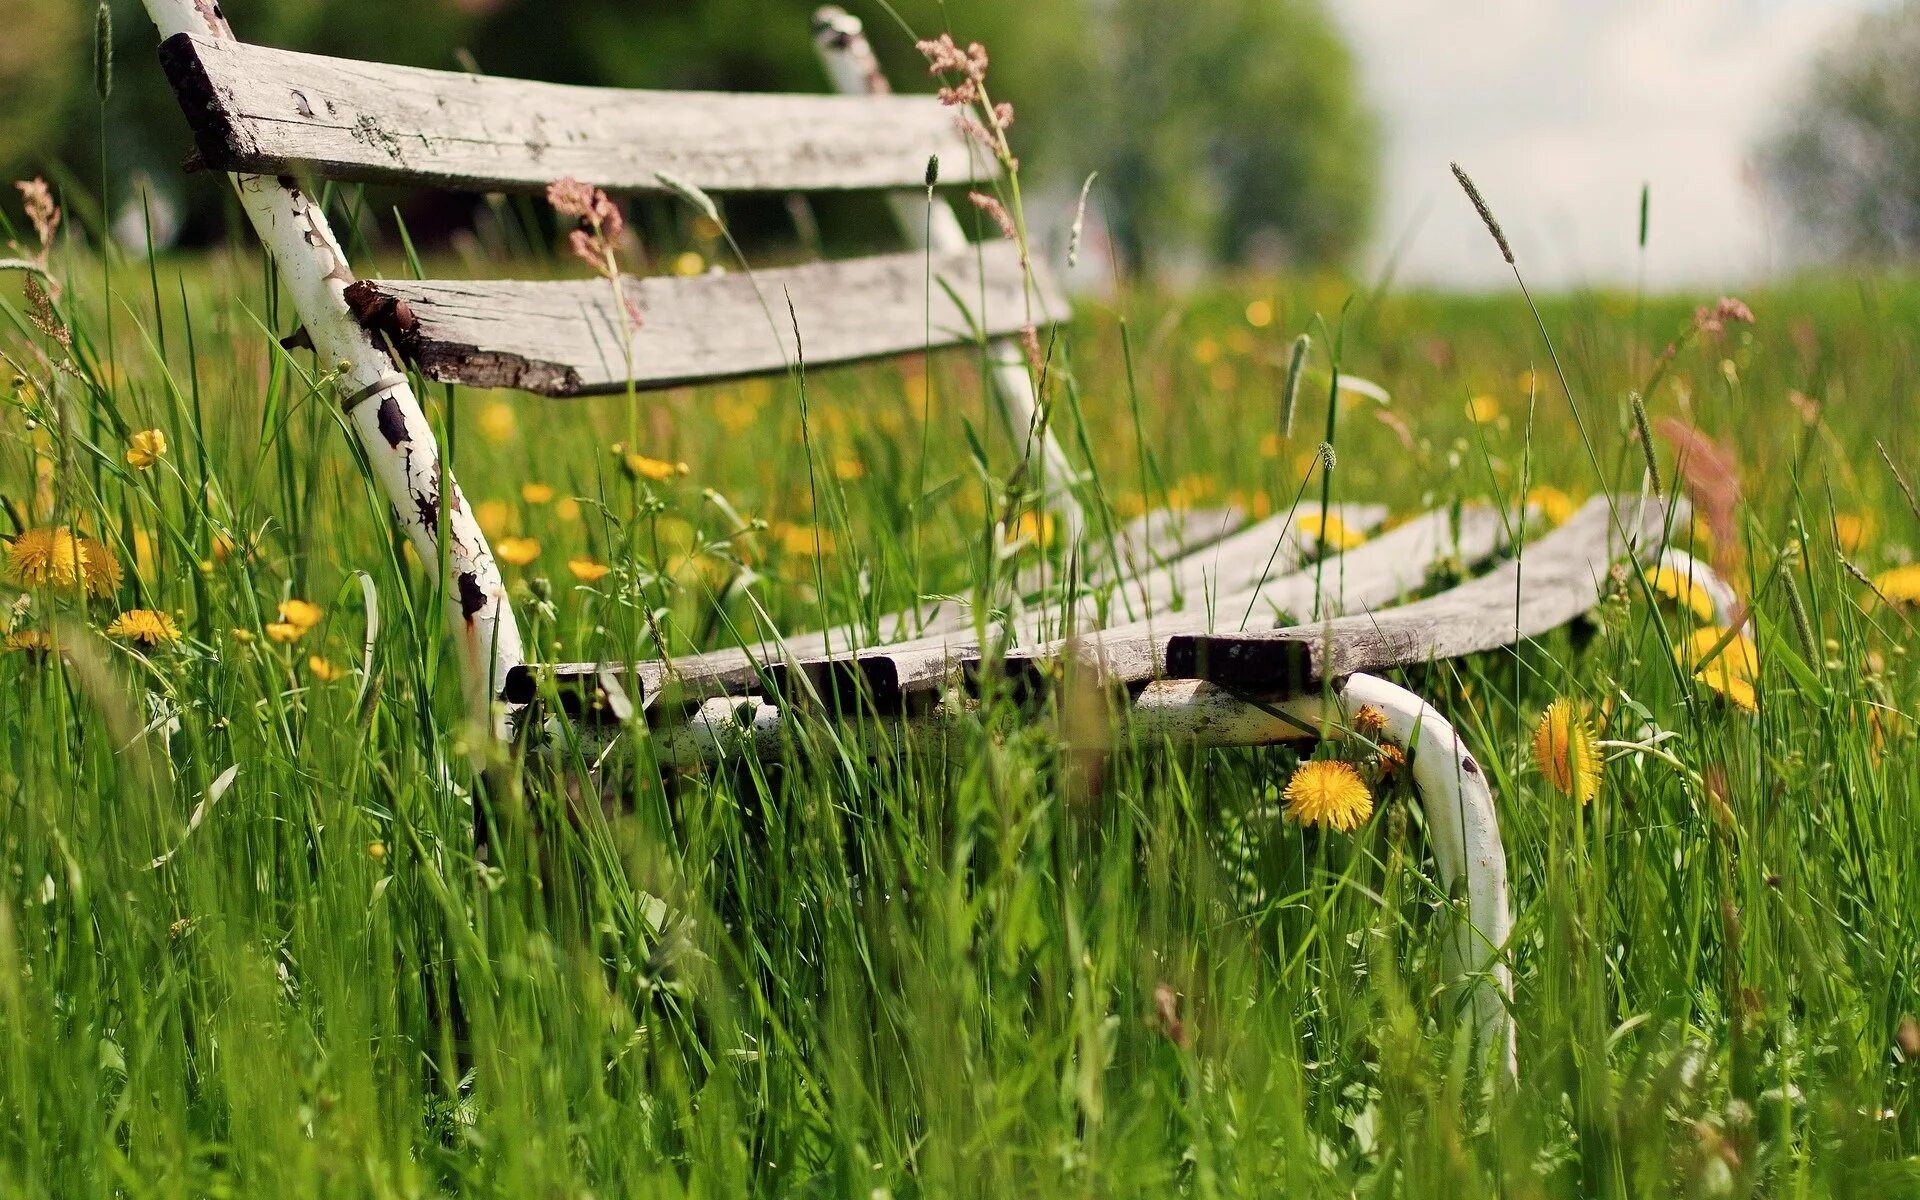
1330,531
1733,671
517,551
1851,530
1681,589
146,448
376,850
1563,749
1206,352
1035,528
99,569
492,516
536,493
657,470
497,422
1482,410
568,509
586,570
285,632
1369,720
802,541
47,557
1330,794
1259,314
301,614
324,671
689,263
145,625
1390,758
1555,505
1900,585
34,642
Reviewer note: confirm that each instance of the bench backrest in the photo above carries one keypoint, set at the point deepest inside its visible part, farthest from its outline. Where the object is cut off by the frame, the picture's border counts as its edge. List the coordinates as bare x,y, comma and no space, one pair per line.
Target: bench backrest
259,110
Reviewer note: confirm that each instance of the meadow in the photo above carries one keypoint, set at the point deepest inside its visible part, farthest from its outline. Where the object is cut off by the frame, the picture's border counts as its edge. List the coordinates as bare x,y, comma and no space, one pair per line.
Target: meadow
247,946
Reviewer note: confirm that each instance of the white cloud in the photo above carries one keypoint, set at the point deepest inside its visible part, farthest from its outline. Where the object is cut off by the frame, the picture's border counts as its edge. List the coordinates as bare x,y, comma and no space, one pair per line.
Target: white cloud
1561,109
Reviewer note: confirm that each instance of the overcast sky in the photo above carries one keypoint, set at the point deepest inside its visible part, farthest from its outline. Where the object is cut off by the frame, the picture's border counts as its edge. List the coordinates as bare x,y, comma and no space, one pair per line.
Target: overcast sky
1561,109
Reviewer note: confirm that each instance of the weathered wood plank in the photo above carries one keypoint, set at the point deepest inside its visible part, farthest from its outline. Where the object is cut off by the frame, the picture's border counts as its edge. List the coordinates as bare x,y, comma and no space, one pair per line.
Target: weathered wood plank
1553,581
264,111
567,337
1379,572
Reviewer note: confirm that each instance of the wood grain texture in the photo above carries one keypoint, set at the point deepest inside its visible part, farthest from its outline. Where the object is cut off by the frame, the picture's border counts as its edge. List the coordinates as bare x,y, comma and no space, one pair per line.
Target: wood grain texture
265,111
1396,563
1555,579
565,337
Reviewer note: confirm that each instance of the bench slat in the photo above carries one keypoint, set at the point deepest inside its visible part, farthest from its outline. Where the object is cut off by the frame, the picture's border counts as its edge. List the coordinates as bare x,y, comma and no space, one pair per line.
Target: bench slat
266,111
564,337
1555,580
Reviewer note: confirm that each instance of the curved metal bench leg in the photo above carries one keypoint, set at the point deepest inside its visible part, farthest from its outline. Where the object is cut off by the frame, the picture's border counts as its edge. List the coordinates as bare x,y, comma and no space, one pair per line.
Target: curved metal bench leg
1465,832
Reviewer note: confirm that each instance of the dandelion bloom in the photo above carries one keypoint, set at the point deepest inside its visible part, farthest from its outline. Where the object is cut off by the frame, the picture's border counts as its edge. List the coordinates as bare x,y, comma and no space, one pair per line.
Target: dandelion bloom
1482,410
32,641
1680,588
301,614
536,493
492,517
497,422
324,671
1563,749
1259,313
1369,720
1900,585
658,470
1851,530
1034,527
145,625
568,509
586,570
55,556
285,632
1328,793
802,541
1330,531
1555,505
146,448
517,551
1731,673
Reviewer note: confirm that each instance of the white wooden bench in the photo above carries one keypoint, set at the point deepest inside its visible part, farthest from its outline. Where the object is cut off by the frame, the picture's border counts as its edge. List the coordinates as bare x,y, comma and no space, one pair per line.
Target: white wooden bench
1198,652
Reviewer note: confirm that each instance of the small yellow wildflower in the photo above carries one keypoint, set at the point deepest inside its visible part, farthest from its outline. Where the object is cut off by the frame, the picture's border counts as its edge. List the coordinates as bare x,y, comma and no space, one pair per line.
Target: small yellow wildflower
1555,505
657,470
689,263
568,509
1035,528
1851,530
243,636
536,493
1330,794
1369,720
35,642
517,551
146,448
1259,314
145,625
802,541
1682,589
497,422
586,570
285,632
1330,531
1206,352
57,557
376,850
324,671
1732,673
492,517
1900,585
301,614
1563,749
1482,410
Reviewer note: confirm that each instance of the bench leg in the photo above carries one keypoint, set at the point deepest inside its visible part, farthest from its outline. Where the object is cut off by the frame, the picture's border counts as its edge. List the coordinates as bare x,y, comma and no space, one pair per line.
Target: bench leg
380,404
929,223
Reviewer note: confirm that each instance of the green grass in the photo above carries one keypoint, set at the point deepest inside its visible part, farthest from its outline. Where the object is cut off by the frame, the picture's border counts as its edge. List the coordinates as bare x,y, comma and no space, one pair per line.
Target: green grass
929,966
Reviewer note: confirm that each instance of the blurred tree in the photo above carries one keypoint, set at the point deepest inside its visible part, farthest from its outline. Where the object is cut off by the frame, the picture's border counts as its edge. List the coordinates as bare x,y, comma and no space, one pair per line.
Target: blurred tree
1848,160
1220,127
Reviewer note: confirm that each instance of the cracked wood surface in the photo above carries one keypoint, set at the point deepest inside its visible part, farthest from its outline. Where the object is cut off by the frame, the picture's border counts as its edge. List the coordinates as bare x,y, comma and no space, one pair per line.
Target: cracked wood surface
1553,581
565,337
273,112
